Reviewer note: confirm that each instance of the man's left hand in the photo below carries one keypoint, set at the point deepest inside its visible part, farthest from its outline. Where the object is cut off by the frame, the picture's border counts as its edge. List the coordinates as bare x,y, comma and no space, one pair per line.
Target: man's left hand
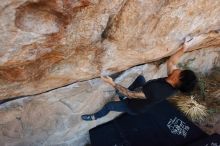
108,80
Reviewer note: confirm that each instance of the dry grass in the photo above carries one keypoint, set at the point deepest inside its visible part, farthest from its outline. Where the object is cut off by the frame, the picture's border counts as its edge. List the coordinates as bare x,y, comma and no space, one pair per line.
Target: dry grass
191,108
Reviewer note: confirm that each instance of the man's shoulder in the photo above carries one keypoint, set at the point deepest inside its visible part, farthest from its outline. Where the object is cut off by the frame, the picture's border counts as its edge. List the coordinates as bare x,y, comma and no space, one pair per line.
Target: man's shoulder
158,84
162,79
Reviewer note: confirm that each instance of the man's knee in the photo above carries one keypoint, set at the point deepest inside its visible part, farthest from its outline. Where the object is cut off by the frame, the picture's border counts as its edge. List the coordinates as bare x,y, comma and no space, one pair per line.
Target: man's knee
140,79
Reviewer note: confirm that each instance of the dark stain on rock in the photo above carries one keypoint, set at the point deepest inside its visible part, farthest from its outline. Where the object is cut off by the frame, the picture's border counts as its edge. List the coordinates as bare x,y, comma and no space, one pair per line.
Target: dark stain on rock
114,23
105,33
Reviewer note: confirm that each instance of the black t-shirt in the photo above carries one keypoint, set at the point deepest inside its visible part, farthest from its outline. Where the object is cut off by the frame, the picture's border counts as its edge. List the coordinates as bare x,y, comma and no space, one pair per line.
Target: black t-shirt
155,91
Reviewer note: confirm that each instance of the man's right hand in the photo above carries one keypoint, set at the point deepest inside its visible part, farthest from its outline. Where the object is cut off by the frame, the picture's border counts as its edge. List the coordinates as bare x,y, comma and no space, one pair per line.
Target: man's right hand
187,43
108,80
191,42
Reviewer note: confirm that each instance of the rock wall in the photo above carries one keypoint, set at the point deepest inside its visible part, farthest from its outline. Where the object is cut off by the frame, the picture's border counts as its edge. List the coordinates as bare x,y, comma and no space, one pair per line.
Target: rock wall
53,118
53,51
46,44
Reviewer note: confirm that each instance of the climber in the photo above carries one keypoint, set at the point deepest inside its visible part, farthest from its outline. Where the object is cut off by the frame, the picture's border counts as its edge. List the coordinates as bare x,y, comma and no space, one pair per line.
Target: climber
141,95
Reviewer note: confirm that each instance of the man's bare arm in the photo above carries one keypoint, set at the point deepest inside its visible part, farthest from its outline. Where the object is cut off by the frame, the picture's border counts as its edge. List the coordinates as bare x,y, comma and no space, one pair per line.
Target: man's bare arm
123,90
173,60
128,93
171,63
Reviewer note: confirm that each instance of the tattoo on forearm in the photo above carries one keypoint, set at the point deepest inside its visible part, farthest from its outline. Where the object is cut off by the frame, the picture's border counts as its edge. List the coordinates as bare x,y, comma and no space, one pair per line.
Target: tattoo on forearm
128,93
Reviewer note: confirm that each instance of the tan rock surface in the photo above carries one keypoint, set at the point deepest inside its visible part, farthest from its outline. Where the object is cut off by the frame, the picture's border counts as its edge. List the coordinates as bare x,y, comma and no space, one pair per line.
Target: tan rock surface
46,44
53,118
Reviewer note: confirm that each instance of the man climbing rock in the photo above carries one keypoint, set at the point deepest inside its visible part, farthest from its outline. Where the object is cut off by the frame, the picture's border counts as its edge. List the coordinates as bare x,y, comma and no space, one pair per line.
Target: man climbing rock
141,95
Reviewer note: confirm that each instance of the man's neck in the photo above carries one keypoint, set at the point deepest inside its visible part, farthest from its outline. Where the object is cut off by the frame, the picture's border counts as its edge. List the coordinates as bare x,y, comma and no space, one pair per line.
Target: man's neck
170,81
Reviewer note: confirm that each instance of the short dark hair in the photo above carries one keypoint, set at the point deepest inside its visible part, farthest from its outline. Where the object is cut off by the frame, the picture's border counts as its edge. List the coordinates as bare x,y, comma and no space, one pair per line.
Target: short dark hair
188,81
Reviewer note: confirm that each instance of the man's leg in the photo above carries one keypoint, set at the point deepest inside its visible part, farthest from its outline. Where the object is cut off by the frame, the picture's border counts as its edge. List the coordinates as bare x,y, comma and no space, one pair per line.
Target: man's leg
118,106
138,82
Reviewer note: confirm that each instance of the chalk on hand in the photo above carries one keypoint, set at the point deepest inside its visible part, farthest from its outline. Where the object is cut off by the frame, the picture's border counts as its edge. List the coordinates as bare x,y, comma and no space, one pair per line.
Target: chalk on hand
188,38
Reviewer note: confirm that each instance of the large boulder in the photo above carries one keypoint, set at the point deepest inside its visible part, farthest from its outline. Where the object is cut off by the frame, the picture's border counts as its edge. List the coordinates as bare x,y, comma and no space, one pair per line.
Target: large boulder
53,118
46,44
52,53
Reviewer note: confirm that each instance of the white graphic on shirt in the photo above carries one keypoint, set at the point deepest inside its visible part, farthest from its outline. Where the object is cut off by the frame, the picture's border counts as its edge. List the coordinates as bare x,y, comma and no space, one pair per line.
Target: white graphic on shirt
212,144
178,127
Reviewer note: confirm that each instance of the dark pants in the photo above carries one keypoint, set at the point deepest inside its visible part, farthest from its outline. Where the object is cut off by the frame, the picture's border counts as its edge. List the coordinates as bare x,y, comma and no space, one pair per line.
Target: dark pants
120,106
